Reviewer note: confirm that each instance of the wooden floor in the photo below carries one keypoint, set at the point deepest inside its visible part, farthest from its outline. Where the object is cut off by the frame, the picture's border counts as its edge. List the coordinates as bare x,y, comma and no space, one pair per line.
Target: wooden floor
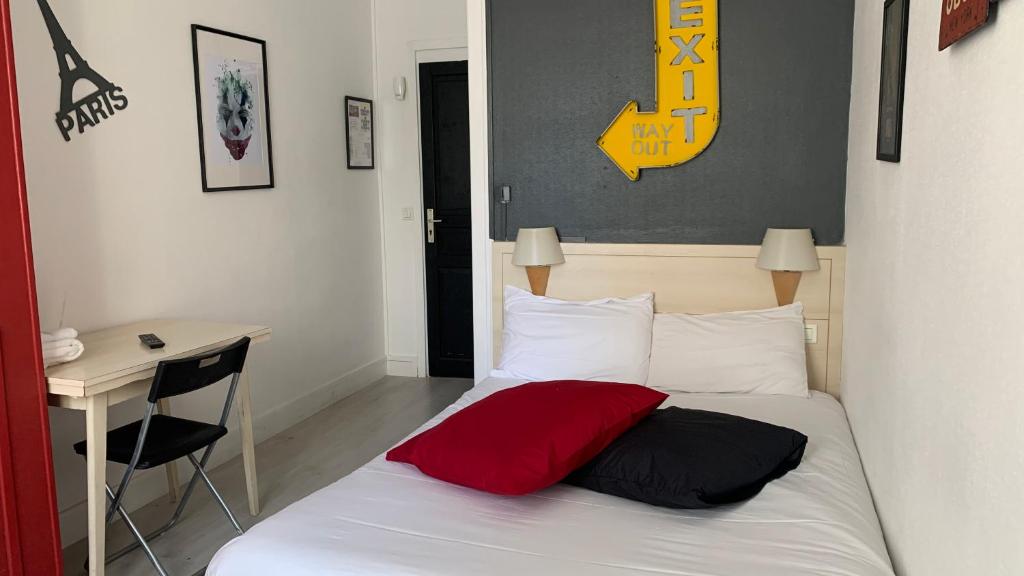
293,464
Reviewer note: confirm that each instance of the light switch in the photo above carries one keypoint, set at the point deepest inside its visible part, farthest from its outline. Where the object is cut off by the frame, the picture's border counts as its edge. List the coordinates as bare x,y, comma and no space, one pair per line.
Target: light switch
406,212
811,333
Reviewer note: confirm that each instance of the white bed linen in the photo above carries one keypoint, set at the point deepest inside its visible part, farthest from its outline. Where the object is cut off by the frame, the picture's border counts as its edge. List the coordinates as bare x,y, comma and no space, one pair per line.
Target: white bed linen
390,519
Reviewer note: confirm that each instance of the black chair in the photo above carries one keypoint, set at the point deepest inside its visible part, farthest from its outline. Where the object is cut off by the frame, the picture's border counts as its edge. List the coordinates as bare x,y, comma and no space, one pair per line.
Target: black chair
157,439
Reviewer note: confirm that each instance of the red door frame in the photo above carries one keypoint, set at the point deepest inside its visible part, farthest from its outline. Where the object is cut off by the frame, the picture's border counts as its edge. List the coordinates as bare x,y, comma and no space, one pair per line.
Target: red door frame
29,522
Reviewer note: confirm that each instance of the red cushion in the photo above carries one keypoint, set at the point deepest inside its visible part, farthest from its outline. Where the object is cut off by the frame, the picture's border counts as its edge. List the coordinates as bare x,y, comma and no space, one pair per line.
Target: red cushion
526,438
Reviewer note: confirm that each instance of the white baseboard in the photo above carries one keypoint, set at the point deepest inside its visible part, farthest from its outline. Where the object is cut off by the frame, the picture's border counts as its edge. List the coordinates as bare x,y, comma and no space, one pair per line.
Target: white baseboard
403,366
149,485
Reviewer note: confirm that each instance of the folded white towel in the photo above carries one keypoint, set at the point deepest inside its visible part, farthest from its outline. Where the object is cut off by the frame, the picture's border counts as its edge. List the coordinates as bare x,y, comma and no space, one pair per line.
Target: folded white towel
62,334
72,350
61,351
55,344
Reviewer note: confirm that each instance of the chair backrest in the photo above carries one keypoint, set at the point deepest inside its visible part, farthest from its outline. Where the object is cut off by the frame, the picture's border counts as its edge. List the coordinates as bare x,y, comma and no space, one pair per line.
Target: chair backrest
175,377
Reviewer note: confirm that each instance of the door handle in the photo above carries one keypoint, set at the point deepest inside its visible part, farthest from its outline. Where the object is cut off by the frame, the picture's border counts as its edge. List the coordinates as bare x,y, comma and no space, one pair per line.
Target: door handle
430,225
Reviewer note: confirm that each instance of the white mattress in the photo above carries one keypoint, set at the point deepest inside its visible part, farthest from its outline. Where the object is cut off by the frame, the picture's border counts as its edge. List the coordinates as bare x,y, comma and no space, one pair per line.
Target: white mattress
389,519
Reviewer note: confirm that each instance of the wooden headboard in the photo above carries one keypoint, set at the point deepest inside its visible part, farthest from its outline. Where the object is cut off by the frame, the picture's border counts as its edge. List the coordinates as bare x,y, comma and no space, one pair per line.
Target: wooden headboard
695,280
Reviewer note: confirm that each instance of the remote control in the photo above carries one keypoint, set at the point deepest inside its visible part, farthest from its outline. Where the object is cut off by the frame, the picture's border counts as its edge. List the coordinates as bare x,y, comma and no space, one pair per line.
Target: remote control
151,340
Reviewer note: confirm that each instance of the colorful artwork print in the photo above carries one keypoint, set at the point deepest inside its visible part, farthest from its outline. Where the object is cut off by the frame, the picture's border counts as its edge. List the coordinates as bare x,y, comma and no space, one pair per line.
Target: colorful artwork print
237,110
232,107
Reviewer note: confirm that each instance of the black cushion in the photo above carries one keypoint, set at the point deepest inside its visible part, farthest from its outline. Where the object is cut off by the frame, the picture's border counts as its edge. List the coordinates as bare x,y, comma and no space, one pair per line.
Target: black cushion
681,458
168,439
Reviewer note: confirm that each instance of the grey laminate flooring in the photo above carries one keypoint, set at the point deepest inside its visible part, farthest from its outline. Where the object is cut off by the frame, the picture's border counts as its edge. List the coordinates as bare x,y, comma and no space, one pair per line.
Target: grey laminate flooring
291,465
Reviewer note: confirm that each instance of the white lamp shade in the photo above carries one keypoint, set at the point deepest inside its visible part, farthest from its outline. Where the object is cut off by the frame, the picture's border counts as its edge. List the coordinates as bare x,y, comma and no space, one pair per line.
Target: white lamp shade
537,247
788,250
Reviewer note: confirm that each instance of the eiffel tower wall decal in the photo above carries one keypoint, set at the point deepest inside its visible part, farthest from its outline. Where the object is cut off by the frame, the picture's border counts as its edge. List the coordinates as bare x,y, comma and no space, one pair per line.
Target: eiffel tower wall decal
106,100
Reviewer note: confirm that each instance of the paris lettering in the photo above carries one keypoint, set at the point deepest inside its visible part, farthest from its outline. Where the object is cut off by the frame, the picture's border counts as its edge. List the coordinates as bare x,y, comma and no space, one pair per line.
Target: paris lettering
90,111
76,115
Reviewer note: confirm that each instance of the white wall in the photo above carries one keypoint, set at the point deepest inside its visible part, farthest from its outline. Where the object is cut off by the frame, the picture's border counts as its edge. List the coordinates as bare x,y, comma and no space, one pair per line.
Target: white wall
935,351
123,231
405,30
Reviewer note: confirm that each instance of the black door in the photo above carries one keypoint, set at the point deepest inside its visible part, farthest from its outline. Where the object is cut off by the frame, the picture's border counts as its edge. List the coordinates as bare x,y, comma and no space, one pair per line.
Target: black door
444,109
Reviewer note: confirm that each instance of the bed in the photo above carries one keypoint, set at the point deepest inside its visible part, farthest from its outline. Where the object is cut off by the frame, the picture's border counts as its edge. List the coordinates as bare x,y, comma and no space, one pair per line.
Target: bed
389,519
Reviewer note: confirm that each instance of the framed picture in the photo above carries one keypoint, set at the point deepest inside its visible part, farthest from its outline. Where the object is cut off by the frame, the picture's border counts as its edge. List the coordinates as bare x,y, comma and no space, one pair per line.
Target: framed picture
359,133
894,73
232,107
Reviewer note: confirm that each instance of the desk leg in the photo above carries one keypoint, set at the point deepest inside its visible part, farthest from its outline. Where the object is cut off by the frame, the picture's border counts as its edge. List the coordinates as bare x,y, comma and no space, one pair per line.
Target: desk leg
96,458
173,485
248,441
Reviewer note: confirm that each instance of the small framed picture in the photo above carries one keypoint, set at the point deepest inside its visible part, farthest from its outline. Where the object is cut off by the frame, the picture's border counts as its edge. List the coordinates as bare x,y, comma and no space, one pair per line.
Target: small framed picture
359,133
233,110
894,73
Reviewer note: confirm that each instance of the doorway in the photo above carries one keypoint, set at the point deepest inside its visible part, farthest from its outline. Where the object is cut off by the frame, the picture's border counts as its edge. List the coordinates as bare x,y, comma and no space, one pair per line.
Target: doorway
444,124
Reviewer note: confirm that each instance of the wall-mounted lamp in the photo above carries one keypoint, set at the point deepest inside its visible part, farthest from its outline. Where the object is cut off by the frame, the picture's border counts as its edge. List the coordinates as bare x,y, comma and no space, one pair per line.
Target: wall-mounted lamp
787,253
538,249
401,87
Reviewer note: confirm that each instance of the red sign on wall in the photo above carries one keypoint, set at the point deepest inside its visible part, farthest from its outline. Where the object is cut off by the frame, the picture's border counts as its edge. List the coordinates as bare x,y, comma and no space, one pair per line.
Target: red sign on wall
960,18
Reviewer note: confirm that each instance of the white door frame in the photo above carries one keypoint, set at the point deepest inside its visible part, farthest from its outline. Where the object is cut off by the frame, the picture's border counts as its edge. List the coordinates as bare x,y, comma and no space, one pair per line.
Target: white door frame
480,167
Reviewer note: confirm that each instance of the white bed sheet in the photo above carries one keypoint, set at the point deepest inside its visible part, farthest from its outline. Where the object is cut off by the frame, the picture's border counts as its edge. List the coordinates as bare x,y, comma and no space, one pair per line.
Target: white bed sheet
390,519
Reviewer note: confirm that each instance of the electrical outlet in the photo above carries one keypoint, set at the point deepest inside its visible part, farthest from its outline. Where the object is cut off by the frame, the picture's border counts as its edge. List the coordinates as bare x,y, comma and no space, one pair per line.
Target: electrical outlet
811,333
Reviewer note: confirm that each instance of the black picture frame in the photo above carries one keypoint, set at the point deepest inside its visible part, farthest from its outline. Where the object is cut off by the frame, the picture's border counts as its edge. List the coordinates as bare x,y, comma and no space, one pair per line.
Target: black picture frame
895,29
348,135
207,187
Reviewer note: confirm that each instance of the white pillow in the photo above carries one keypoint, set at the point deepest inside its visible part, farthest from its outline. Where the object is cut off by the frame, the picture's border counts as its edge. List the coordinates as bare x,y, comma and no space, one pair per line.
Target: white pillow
547,339
760,352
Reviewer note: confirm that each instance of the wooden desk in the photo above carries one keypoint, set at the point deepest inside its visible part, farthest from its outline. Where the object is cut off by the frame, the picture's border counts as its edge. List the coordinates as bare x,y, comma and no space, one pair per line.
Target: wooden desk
115,368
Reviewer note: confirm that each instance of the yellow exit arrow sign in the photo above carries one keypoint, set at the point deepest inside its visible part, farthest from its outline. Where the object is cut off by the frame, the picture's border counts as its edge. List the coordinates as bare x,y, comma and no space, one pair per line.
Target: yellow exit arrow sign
687,112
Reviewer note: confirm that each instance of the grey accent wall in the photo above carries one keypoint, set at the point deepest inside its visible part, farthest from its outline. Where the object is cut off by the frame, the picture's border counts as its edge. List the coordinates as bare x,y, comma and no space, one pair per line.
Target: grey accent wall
561,70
